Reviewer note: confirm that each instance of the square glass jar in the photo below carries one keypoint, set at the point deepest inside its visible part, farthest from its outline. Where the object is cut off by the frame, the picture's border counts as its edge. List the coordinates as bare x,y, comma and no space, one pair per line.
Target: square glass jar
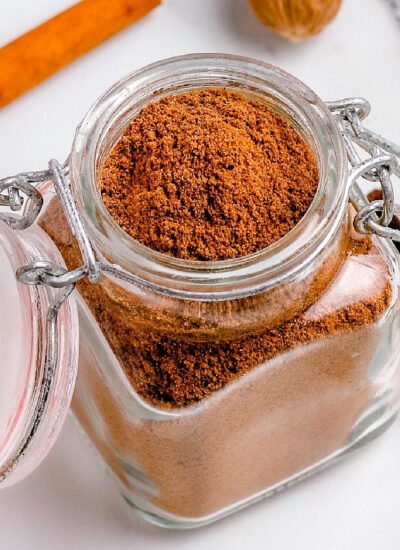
312,322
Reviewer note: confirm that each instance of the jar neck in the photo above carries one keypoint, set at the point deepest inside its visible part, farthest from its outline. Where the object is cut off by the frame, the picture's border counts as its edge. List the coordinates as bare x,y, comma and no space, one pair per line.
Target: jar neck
281,262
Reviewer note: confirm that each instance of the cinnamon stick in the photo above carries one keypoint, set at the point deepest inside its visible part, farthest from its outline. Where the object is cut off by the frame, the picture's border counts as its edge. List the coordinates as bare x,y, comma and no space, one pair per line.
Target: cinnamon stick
41,52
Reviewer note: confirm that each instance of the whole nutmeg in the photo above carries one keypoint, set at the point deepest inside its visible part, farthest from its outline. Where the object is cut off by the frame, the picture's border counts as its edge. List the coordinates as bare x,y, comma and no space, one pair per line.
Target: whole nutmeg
296,19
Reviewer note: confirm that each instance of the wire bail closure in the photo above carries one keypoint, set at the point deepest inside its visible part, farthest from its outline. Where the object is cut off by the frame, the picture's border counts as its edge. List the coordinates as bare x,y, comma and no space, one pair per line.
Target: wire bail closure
381,164
42,272
63,190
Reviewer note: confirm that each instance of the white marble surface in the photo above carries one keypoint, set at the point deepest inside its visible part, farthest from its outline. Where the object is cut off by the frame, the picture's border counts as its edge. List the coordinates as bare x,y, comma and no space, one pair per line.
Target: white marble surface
69,502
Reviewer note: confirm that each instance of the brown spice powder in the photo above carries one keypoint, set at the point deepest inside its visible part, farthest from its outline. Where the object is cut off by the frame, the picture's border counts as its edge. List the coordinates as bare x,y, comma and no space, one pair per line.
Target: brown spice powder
209,175
296,408
311,382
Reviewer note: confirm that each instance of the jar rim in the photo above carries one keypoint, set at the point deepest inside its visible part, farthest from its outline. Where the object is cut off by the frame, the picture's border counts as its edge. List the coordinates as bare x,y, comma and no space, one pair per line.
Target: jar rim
226,279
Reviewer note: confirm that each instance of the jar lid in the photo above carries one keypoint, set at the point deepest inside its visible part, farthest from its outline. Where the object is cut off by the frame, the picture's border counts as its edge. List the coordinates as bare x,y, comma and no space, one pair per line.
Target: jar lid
37,377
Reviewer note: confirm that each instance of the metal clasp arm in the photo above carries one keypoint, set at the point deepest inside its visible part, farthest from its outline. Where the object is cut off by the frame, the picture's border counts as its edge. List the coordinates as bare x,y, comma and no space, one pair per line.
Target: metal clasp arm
380,166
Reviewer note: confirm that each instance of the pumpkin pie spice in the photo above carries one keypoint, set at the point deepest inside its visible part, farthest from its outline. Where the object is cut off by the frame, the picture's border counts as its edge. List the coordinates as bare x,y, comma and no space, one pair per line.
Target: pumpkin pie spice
209,175
214,175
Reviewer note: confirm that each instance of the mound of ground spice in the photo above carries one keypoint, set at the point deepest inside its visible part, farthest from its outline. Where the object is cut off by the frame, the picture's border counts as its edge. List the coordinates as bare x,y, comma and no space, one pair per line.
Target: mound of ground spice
209,175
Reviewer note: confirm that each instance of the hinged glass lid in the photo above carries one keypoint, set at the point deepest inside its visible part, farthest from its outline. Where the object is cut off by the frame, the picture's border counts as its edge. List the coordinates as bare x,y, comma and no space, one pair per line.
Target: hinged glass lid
38,350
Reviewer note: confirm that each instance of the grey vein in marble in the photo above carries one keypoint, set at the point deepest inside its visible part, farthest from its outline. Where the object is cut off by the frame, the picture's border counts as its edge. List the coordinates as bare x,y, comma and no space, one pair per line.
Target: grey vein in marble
395,7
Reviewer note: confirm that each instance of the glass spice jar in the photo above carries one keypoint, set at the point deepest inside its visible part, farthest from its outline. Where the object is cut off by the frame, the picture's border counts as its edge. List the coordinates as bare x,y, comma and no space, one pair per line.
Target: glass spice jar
310,323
